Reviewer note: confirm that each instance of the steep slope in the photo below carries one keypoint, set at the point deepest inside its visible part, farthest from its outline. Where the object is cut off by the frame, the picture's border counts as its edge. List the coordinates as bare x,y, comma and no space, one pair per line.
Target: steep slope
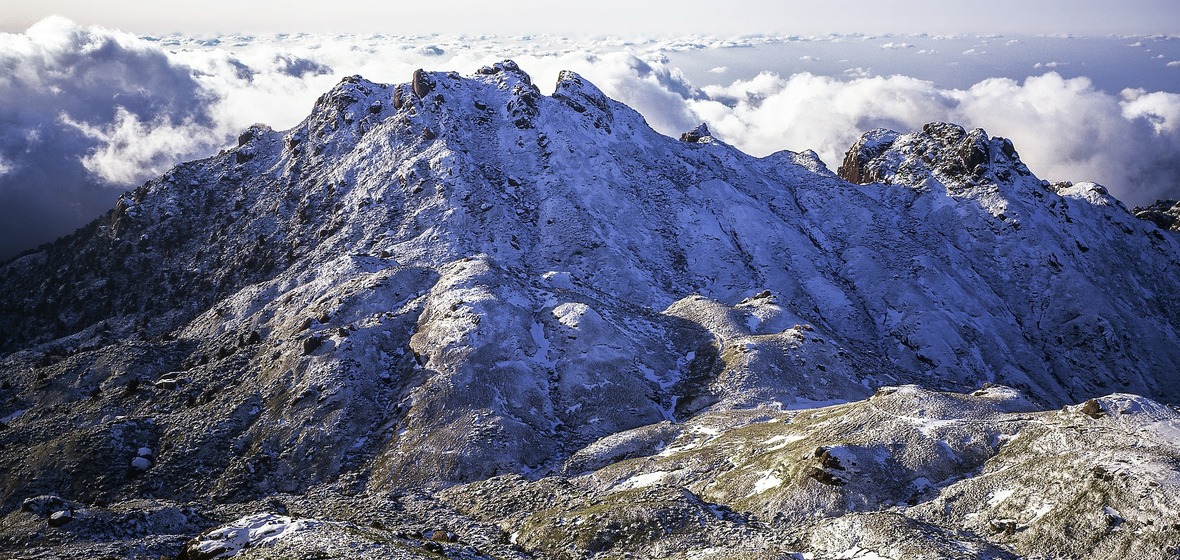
454,279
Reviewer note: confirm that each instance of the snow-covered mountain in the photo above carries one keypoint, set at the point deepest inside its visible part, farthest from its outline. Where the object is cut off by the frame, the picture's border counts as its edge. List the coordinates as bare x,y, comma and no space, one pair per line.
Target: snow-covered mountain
459,305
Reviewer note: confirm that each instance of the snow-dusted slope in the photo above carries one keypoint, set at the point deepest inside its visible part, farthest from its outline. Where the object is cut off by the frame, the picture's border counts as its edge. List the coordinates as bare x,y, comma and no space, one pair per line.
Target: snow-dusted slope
456,278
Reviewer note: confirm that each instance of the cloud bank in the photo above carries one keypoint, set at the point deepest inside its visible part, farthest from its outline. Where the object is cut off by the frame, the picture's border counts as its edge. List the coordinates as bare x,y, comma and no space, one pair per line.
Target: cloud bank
1064,129
86,113
68,94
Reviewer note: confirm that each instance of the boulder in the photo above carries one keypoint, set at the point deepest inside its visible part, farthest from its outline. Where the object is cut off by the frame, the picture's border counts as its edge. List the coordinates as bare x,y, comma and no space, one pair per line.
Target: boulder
59,518
311,343
421,83
44,504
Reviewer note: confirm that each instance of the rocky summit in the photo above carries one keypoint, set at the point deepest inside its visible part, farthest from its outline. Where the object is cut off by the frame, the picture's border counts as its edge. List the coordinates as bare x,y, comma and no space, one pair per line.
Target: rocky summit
459,318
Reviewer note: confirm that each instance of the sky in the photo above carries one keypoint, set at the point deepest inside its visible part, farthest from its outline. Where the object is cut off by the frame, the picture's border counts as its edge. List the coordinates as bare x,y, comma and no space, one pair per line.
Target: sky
628,17
96,98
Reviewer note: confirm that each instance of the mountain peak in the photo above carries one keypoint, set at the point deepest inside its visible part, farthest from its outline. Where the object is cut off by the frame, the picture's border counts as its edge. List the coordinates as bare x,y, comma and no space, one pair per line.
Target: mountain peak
942,151
697,135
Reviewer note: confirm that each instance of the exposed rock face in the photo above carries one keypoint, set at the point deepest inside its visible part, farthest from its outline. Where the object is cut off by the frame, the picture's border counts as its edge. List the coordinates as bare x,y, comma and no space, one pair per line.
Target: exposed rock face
942,149
543,301
1165,214
698,134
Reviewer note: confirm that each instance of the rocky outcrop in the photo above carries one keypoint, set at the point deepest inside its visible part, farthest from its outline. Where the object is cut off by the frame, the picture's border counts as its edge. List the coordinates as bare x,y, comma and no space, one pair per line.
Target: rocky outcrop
698,134
1165,214
942,149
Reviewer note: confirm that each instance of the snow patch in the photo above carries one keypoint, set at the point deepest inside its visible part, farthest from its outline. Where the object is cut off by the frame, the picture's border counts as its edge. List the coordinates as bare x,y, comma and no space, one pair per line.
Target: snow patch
999,496
643,480
767,482
252,531
781,441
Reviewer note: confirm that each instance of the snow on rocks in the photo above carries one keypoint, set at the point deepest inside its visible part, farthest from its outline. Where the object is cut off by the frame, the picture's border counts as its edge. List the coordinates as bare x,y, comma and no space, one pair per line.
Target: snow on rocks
252,531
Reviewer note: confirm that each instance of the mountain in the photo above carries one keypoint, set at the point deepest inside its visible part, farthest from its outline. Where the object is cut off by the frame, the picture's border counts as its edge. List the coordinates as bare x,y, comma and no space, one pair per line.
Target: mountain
459,316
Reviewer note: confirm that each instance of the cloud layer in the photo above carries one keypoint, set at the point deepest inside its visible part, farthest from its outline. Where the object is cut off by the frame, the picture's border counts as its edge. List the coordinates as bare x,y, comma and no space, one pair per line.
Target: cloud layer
1065,129
86,113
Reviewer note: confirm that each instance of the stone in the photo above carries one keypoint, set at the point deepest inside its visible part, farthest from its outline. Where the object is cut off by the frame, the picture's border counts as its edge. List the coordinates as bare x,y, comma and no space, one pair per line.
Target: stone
421,83
824,477
311,343
1092,409
60,518
42,505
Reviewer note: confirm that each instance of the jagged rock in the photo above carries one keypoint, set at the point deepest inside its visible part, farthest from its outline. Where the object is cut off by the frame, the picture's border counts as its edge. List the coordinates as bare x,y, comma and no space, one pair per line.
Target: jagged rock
1165,214
439,535
696,135
942,150
311,343
856,167
1092,408
829,461
825,477
253,337
44,505
255,131
1005,526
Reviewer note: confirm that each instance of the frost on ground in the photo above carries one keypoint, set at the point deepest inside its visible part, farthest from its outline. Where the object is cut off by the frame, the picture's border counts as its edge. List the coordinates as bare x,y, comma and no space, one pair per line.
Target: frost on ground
455,316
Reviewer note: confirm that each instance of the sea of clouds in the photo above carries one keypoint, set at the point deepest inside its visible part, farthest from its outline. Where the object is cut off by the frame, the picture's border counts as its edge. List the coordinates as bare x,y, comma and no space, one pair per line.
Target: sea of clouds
87,113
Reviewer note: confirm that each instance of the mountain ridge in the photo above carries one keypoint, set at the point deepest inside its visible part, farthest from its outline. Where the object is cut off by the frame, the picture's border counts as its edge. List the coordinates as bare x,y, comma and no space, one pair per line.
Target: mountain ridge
453,280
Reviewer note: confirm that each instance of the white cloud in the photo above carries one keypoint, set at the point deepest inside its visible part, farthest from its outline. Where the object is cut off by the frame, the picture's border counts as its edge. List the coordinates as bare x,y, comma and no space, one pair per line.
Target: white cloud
821,113
129,148
58,72
1161,109
1064,128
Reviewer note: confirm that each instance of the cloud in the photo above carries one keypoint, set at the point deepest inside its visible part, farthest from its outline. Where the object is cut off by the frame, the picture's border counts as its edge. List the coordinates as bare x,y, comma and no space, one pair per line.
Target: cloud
127,147
60,86
1065,129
